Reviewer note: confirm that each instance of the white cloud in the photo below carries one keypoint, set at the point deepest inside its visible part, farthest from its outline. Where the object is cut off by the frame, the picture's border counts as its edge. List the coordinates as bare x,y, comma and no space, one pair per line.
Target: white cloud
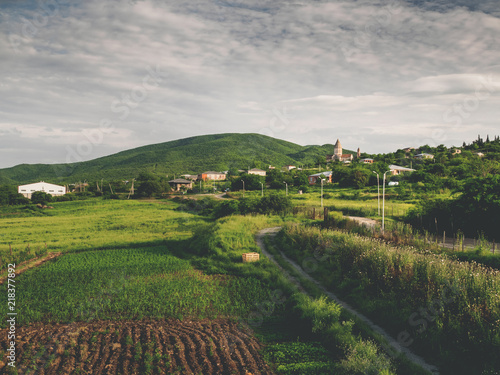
344,69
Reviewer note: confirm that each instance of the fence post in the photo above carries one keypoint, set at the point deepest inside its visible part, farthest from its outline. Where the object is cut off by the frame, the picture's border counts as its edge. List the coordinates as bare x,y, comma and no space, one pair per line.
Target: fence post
463,242
325,214
444,238
314,213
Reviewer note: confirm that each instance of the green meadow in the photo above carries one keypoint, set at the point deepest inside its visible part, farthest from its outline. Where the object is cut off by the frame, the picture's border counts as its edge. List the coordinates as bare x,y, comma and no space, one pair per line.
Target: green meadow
94,223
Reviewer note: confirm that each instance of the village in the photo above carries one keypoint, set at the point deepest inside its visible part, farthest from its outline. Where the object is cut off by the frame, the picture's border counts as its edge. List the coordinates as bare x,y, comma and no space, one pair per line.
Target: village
187,181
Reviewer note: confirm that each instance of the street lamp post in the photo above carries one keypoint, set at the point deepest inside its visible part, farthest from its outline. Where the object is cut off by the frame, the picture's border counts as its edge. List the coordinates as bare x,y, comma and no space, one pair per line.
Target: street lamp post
286,187
322,191
262,189
378,192
243,188
383,203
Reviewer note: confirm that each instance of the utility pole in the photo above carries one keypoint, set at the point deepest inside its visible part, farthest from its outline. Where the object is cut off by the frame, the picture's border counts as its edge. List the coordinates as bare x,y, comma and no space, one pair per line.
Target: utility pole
378,192
243,188
262,189
286,188
322,191
383,204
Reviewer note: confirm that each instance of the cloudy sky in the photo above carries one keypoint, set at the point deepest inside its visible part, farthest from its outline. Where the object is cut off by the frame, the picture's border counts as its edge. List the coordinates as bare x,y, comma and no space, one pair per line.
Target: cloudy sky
84,79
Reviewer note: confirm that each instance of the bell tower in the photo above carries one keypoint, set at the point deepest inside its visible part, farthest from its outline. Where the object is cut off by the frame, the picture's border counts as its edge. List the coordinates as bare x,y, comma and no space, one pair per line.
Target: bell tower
337,150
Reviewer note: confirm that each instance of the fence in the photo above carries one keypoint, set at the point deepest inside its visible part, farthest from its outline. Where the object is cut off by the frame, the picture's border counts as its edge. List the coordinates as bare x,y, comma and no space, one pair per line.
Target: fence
399,233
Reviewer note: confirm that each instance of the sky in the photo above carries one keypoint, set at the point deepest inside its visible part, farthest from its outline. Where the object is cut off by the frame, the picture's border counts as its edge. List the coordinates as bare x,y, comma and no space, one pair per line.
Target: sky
84,79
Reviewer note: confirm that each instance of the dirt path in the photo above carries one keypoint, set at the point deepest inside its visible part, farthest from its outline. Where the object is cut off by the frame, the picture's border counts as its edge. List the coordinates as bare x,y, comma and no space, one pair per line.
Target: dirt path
23,267
370,223
391,341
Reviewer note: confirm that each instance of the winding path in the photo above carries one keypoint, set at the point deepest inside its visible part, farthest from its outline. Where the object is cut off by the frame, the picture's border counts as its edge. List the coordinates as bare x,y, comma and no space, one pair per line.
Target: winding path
393,343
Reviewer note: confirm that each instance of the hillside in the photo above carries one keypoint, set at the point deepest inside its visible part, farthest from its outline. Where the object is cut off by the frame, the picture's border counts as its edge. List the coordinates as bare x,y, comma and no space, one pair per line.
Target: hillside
189,155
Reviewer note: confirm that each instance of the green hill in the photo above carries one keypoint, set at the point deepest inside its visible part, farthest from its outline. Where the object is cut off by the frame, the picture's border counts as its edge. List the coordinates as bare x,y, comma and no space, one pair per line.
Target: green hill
189,155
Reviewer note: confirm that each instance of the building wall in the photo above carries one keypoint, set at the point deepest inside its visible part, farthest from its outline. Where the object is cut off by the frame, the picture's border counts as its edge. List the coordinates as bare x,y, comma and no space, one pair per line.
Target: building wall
51,189
258,173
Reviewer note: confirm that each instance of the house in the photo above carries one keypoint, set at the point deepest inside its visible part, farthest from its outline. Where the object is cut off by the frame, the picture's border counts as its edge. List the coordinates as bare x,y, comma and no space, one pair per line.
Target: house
51,189
393,183
288,168
315,177
179,183
424,156
397,170
455,151
257,171
271,167
211,175
193,177
408,149
480,154
338,155
367,161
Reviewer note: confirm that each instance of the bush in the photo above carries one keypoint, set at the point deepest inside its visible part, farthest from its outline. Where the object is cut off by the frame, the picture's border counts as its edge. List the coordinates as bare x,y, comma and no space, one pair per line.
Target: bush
40,197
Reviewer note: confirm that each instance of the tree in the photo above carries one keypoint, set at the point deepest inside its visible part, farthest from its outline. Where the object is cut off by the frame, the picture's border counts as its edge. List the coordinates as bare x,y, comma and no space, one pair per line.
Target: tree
252,182
40,197
148,185
10,196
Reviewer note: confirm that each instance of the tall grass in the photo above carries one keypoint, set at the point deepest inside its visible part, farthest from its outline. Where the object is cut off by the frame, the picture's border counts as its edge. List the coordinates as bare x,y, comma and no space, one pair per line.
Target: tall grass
448,307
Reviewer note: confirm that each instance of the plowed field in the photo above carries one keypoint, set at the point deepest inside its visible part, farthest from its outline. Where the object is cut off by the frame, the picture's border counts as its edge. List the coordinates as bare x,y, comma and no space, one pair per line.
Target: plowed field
136,347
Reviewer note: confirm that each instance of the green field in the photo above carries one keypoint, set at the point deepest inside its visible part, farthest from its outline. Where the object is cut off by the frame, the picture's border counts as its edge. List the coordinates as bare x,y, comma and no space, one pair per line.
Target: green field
95,223
352,202
130,284
136,260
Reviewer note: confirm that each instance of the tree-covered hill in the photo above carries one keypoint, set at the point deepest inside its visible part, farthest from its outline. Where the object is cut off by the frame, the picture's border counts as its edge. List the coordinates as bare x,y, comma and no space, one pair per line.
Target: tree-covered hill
190,155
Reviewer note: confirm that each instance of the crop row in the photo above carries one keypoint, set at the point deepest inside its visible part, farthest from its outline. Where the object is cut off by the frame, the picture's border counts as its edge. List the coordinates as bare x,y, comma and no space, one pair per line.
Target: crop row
130,283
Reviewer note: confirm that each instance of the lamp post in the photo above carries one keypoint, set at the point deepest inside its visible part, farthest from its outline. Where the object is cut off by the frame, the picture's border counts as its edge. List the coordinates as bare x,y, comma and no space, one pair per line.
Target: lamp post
322,191
200,186
383,203
286,187
262,189
378,192
243,188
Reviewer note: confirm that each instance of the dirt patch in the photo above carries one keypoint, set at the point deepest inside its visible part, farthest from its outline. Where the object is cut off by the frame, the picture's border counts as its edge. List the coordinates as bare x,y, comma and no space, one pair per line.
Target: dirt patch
137,347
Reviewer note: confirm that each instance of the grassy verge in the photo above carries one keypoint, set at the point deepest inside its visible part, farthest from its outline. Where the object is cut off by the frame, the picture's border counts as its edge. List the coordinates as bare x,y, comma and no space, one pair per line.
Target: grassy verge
443,308
401,363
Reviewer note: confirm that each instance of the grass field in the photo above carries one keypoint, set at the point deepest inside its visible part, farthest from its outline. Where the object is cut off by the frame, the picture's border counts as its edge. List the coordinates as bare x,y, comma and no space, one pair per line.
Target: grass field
91,224
351,201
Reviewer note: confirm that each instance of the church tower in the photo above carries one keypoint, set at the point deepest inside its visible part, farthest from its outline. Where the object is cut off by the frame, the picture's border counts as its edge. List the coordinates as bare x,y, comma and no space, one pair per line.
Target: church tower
337,151
359,153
